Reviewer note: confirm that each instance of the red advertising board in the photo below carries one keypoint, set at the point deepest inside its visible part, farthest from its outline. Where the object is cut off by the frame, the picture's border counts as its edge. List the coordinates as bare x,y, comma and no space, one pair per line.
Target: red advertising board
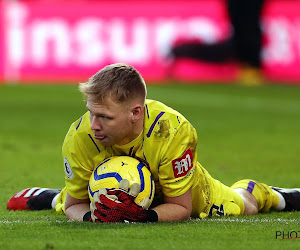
68,41
281,51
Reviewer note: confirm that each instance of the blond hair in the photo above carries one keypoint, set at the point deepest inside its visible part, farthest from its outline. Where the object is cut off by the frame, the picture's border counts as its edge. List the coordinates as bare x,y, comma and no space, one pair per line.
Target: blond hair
118,81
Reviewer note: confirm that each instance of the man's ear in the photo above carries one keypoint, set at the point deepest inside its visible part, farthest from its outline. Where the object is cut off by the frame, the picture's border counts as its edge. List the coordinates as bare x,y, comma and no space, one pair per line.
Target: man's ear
137,112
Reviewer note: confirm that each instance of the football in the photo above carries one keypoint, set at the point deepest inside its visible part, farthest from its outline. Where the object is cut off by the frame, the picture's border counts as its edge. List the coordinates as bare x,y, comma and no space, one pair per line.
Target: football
111,171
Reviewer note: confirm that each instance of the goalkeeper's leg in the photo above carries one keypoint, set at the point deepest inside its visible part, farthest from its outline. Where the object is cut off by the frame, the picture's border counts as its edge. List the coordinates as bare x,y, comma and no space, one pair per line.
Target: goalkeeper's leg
34,199
266,197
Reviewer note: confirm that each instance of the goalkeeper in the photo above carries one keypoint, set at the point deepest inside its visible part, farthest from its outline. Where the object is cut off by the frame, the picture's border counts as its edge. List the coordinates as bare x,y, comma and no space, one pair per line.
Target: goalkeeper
121,121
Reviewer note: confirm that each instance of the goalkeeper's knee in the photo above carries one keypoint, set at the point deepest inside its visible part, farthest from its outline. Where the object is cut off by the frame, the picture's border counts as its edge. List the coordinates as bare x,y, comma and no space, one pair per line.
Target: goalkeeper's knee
263,194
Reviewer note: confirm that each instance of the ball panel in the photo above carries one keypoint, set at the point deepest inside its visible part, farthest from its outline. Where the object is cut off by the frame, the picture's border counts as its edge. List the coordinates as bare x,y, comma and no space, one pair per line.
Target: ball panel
110,172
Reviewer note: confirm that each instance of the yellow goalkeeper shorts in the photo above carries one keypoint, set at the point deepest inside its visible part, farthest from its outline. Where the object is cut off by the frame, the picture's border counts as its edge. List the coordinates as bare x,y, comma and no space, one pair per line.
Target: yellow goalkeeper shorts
221,200
60,202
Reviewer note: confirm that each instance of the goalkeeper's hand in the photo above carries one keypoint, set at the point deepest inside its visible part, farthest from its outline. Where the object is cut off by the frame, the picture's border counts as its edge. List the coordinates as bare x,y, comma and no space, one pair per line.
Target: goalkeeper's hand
97,215
117,205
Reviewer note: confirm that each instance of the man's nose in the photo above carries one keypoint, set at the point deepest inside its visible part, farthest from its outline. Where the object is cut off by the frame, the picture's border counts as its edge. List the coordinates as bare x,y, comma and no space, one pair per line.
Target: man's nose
95,124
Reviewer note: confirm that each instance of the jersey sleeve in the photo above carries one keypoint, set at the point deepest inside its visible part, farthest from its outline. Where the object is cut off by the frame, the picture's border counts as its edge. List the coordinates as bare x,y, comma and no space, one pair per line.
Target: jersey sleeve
179,159
78,167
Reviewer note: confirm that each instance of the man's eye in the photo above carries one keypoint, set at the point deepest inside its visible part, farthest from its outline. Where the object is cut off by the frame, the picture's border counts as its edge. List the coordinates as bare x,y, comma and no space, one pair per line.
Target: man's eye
104,117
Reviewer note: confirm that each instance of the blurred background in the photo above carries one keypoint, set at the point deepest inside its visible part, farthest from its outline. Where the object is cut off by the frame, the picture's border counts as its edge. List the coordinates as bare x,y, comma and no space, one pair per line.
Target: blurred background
67,41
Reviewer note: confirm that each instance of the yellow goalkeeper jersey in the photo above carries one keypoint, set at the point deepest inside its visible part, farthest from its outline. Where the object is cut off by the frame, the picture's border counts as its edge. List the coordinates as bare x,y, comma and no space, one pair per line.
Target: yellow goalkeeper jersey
167,143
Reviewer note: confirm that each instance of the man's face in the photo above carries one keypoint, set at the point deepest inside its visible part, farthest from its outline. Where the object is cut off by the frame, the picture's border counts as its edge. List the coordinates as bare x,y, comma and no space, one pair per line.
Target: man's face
111,122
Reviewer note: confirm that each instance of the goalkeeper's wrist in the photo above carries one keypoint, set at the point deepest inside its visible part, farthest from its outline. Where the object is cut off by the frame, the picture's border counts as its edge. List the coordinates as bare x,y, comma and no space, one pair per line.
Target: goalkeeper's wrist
152,216
87,216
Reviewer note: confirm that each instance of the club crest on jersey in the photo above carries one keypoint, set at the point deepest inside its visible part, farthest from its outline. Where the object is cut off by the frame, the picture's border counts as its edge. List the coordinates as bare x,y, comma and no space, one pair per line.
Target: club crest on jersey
182,165
68,169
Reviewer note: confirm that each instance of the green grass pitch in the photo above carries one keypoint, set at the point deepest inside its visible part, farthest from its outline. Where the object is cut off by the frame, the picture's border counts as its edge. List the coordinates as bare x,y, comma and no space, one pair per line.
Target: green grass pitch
244,132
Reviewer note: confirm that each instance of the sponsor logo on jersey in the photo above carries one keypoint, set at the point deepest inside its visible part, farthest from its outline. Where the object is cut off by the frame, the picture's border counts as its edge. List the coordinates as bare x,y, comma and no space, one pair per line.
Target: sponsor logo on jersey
68,169
182,165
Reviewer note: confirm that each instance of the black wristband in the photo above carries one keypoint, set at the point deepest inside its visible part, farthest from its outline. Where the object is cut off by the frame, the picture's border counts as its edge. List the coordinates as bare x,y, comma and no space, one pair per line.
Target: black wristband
87,216
152,216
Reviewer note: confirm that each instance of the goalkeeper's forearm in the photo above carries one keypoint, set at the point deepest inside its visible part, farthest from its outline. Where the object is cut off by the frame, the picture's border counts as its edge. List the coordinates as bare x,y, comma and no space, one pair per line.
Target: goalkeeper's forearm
175,208
75,209
172,212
